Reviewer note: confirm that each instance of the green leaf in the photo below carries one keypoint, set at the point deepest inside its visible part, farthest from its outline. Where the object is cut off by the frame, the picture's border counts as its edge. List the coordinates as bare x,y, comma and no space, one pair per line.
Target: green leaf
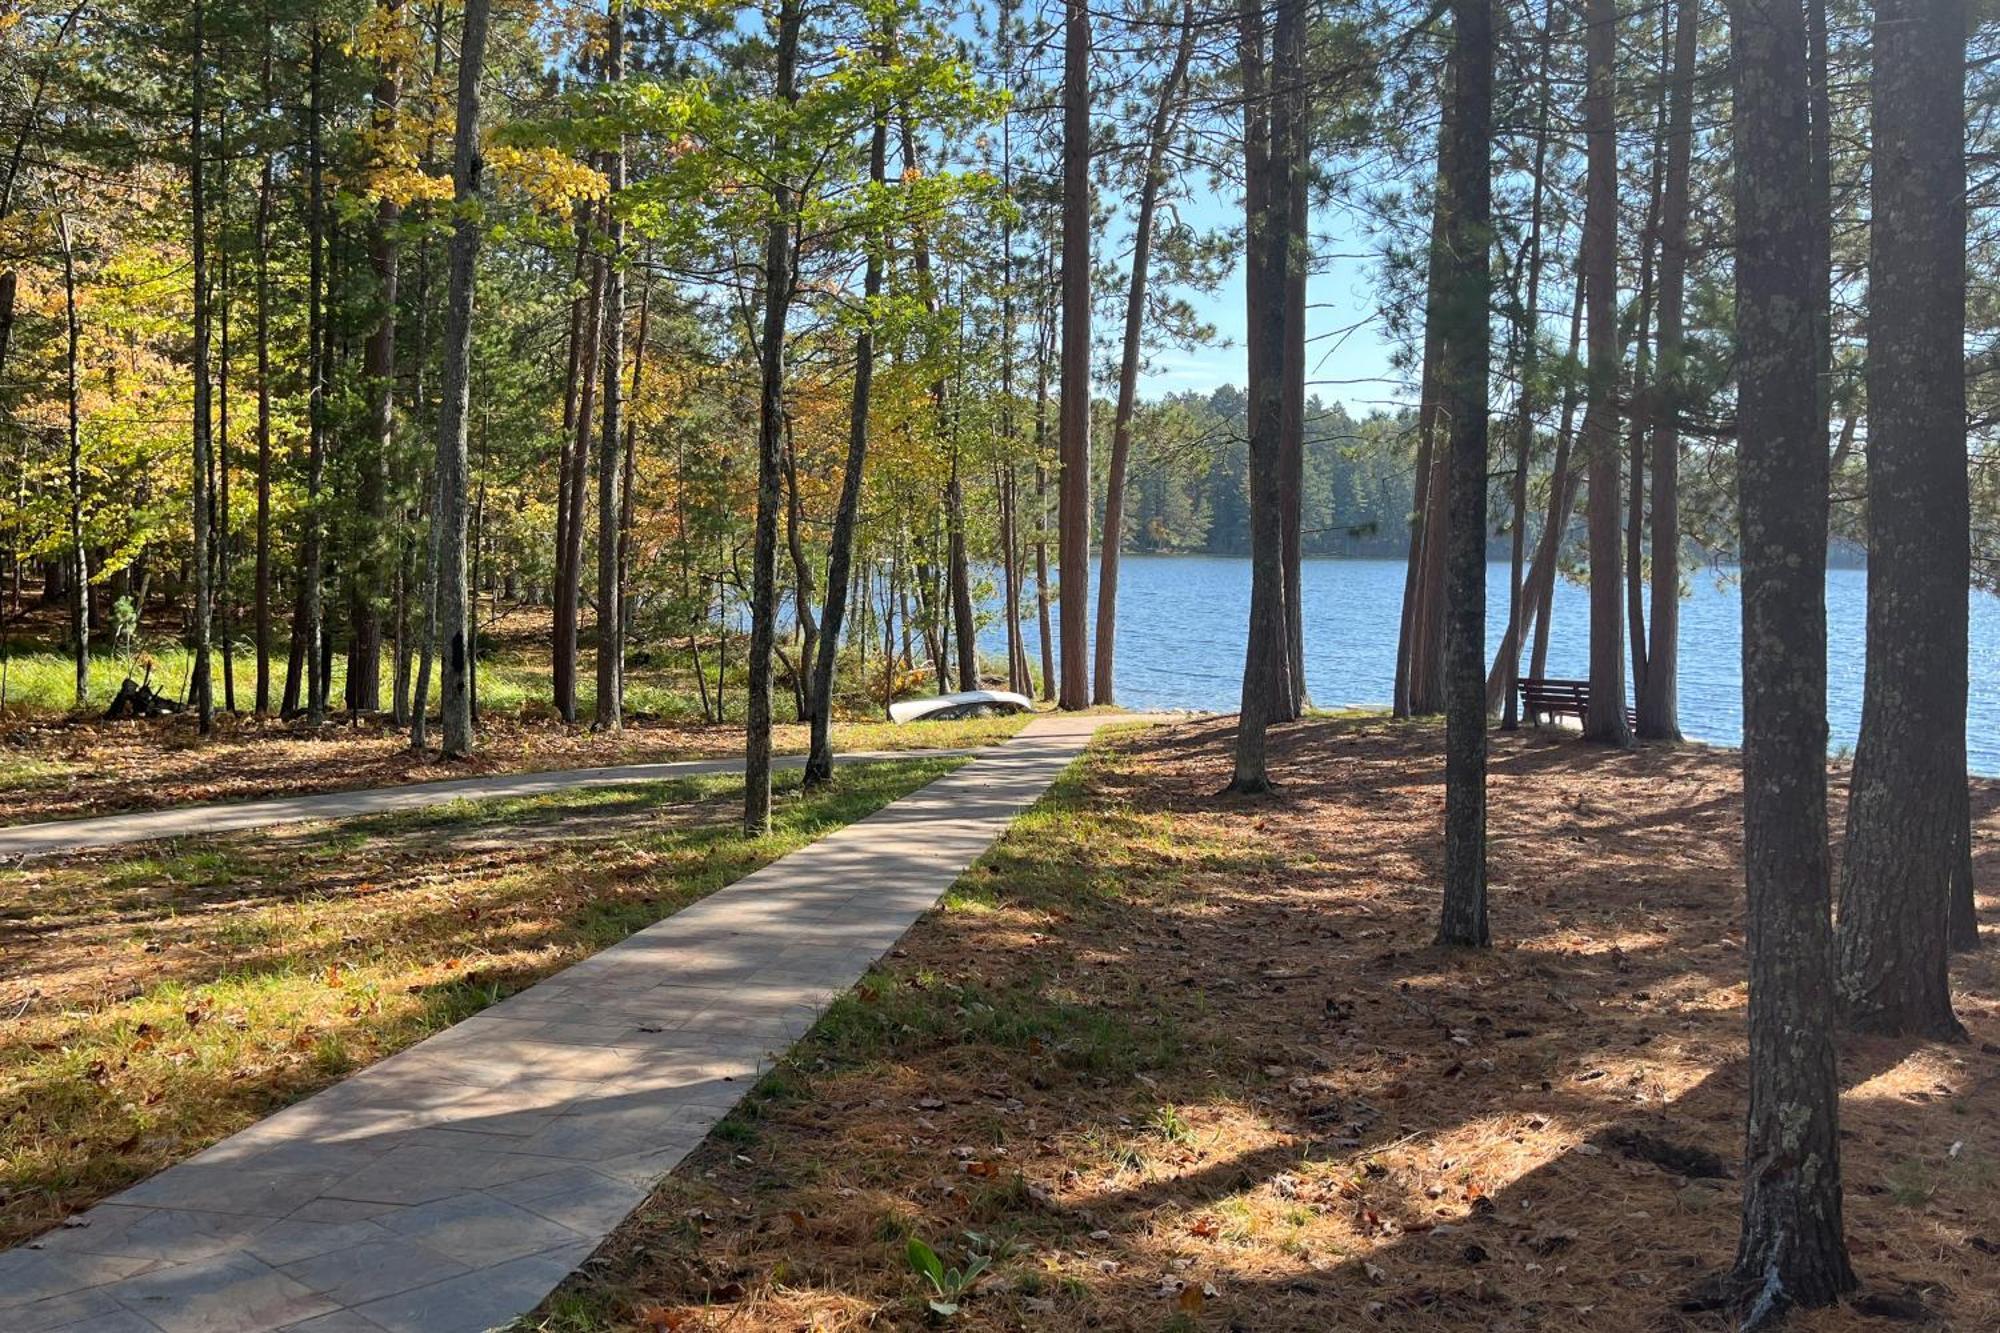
924,1260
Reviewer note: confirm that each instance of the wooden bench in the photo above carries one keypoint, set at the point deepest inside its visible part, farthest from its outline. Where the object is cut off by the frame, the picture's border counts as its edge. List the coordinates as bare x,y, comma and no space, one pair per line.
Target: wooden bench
1549,698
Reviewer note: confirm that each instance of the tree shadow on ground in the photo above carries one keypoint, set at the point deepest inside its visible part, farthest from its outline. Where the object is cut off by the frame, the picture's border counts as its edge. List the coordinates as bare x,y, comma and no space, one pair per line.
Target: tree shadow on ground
1319,1115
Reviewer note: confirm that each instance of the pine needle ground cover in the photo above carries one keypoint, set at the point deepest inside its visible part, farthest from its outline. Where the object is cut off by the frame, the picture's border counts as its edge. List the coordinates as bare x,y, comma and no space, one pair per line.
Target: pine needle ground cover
1168,1060
158,998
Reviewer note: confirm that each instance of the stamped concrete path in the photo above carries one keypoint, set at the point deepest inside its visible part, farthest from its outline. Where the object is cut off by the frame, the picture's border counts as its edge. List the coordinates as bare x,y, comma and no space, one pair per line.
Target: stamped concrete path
72,835
449,1188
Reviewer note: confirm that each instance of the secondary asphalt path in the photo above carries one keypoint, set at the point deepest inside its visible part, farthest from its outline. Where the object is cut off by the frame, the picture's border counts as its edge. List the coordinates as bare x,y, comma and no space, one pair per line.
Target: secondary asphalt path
449,1188
72,835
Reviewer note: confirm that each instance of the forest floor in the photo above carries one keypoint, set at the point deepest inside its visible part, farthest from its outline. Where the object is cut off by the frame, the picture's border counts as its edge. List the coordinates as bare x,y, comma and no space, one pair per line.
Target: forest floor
59,764
156,998
1173,1060
69,769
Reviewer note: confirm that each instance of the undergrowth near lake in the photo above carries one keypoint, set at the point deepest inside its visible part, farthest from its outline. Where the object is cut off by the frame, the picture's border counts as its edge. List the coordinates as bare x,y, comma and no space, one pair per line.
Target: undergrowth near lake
163,996
1171,1060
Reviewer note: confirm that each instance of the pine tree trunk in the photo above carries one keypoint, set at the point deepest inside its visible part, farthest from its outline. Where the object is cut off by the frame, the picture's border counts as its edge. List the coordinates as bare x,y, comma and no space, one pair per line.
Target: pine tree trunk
1043,355
1419,656
1659,694
1903,837
310,630
778,280
1564,479
1158,134
1641,399
1268,258
1468,350
454,610
1506,671
1792,1251
371,575
224,552
847,513
1073,422
959,571
262,608
200,693
805,621
610,711
79,555
569,560
1606,721
1964,899
1294,144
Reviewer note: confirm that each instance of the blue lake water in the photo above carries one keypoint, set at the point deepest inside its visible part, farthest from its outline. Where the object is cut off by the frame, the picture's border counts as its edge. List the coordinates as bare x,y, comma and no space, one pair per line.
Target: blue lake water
1182,624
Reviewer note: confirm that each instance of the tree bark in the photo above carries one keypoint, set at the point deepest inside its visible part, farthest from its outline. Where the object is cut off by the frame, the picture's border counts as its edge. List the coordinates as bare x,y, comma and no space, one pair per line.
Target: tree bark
1903,837
224,551
262,609
1659,693
958,570
847,513
1507,665
610,711
79,554
1155,178
1268,101
1606,721
778,279
371,577
1964,900
1641,399
1792,1251
199,689
311,627
1073,422
1419,648
1293,144
449,517
576,469
1564,479
1043,355
1467,344
802,589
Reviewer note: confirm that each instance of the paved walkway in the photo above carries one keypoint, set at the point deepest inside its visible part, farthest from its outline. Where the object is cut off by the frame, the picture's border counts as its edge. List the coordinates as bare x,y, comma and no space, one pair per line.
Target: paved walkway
449,1188
71,835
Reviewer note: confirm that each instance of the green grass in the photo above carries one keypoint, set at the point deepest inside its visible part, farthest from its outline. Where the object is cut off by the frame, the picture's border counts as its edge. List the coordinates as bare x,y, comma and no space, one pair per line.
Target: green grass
43,682
178,992
513,678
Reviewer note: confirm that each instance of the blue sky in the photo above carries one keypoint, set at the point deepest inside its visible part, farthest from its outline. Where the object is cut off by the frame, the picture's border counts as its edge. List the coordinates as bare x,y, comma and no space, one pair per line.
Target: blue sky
1351,367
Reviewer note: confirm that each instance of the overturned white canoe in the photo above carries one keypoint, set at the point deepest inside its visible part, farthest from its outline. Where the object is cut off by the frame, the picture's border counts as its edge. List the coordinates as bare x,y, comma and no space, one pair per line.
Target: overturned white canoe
966,703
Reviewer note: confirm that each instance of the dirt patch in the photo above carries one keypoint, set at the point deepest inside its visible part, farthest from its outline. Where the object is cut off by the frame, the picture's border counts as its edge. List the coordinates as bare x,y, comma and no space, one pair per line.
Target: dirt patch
1174,1060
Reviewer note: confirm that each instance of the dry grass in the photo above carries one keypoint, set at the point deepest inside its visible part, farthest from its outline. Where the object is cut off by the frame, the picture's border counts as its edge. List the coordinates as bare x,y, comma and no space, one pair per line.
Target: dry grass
67,769
161,997
1170,1060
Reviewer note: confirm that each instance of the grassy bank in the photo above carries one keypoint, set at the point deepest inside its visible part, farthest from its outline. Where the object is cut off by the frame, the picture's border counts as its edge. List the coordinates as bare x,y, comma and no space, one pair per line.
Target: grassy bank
160,998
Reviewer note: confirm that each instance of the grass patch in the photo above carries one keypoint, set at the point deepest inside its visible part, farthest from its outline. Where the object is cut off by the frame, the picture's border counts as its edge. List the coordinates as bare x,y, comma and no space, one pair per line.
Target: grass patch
164,997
